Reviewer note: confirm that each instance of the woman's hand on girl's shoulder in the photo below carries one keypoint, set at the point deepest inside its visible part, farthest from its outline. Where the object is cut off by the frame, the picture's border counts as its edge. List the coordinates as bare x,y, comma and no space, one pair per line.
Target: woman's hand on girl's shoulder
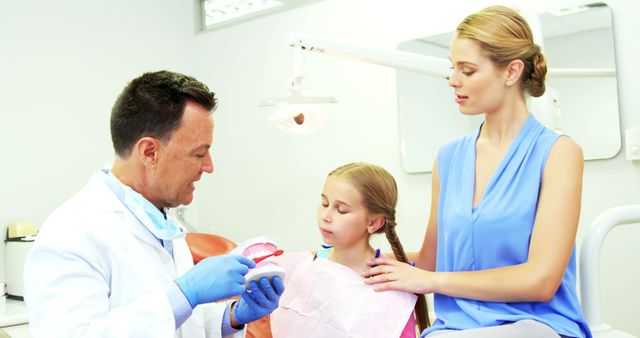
389,274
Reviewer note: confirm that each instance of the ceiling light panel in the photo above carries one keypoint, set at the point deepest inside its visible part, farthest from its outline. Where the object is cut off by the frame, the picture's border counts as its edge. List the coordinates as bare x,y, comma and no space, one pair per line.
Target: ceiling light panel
221,13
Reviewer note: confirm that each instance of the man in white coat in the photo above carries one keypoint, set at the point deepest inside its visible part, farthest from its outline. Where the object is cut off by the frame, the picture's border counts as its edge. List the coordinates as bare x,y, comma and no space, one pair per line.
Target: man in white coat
109,262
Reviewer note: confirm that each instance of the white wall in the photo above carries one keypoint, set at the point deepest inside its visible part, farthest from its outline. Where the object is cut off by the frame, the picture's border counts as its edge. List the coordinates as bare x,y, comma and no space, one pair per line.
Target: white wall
60,74
62,65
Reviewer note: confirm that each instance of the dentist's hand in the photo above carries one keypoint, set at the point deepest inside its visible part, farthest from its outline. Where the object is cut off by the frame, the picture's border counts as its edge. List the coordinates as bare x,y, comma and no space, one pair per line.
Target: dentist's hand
259,300
215,278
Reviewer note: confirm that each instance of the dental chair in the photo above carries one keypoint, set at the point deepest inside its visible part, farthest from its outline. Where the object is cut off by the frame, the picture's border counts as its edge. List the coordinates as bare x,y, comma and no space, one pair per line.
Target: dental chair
590,266
204,245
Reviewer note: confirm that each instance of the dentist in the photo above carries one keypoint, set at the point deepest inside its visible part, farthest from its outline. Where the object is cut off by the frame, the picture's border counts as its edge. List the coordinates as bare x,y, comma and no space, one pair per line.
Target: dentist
109,262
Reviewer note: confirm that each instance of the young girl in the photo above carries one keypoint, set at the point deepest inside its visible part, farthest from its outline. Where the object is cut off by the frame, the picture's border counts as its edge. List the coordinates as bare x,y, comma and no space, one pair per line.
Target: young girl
324,292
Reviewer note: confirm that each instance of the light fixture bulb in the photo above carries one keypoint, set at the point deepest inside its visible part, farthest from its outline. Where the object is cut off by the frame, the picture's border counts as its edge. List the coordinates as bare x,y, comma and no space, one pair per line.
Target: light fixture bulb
299,119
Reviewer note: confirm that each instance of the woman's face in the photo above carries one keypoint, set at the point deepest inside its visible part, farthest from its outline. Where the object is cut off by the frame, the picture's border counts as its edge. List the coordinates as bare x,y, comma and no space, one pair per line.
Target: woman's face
479,86
342,216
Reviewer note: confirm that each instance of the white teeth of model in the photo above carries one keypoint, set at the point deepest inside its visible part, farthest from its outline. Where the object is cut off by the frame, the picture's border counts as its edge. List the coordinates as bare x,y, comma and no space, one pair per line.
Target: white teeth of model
259,254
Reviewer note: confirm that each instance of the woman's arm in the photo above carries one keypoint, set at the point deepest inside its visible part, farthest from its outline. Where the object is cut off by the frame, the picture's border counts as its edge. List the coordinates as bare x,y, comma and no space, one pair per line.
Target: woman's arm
426,257
550,247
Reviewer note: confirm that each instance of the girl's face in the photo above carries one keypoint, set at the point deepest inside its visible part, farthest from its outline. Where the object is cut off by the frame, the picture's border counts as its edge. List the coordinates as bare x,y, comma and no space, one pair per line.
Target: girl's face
342,216
479,86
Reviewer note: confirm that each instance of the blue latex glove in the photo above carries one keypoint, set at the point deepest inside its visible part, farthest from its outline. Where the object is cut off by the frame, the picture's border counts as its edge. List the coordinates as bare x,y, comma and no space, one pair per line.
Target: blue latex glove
259,300
215,278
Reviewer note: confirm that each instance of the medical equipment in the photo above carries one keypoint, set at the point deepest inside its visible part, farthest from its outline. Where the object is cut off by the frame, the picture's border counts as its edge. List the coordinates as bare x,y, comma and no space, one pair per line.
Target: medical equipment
20,238
297,112
590,266
275,253
260,247
179,214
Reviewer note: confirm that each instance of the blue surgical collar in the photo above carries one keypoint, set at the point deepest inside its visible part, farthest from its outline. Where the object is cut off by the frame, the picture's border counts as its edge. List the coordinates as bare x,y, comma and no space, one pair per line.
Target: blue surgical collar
154,219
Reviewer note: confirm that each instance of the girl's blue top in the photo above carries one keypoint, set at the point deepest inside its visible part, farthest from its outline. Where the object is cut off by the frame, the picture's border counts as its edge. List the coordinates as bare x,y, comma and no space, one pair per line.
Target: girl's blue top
497,233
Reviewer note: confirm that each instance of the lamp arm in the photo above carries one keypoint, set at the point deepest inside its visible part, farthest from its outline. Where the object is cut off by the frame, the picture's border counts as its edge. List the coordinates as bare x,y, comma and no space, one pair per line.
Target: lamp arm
179,212
581,72
438,67
430,65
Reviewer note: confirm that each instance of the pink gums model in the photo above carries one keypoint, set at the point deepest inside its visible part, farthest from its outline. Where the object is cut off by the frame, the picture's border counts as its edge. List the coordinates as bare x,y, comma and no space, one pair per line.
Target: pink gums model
261,249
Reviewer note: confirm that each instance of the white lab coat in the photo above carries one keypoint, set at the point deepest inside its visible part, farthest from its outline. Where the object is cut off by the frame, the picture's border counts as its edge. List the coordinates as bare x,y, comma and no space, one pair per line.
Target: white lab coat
96,271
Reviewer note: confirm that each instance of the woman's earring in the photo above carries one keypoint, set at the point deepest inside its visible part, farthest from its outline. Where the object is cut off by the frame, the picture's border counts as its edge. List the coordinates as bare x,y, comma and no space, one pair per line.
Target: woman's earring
509,82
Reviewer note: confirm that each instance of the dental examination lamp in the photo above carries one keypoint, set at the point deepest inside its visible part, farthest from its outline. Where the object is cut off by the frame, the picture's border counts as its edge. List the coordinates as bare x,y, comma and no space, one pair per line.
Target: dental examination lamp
297,113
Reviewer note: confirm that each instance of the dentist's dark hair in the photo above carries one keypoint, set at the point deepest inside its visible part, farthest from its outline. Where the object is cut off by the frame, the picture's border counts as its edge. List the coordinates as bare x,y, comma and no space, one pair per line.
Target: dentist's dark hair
153,105
380,196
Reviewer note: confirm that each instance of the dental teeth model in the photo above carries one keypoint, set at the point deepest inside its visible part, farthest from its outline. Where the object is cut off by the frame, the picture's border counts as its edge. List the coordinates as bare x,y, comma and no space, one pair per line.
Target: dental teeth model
260,250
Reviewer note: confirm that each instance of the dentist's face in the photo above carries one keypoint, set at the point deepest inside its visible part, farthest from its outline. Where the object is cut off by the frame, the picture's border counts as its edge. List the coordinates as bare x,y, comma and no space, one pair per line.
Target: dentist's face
184,158
479,86
342,216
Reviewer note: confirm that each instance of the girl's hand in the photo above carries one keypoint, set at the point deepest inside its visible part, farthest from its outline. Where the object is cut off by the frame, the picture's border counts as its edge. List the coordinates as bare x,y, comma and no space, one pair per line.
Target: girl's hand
390,274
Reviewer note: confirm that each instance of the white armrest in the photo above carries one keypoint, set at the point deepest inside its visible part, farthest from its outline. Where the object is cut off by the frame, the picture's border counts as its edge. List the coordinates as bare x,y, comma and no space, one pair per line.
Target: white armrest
590,260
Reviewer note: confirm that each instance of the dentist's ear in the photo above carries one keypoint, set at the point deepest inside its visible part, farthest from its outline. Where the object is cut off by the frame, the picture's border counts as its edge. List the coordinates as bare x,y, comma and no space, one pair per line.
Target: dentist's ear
375,223
147,150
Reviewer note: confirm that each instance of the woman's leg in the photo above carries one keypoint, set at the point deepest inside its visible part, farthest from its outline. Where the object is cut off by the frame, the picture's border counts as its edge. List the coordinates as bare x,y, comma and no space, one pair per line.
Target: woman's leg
520,329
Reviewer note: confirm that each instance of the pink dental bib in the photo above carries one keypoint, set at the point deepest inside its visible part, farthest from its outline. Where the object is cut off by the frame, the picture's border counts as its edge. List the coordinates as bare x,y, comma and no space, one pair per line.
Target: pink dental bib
327,299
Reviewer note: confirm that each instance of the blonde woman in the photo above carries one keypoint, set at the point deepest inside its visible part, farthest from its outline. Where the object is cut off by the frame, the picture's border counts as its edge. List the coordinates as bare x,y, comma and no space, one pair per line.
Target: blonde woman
498,253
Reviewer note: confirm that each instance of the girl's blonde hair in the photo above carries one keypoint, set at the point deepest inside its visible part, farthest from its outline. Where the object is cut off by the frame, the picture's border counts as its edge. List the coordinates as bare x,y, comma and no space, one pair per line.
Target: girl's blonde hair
380,196
504,36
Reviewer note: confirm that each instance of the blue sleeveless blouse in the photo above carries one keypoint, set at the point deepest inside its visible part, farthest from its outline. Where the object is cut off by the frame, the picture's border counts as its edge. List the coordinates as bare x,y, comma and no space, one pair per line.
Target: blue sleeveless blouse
497,232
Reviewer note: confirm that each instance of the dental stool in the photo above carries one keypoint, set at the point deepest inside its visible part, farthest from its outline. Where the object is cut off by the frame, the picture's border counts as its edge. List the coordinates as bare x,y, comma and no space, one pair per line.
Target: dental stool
590,266
204,245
